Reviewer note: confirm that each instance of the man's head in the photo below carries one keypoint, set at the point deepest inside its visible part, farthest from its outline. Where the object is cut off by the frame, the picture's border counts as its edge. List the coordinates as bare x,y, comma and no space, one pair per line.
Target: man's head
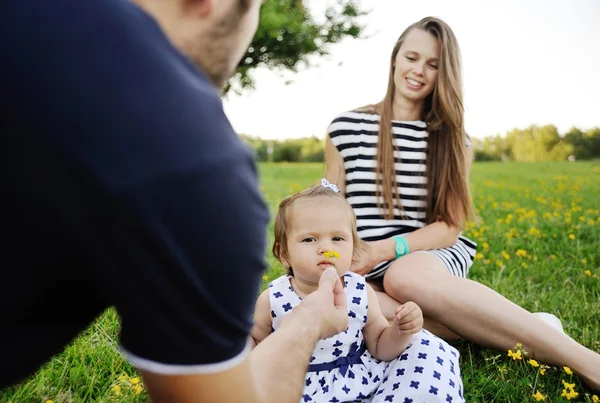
214,34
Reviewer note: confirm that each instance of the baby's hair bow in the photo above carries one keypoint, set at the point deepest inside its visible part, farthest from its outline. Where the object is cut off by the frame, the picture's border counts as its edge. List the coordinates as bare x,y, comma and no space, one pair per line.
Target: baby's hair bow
325,183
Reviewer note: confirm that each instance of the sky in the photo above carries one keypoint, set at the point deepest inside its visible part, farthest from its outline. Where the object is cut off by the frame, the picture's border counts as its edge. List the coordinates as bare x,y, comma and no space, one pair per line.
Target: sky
524,62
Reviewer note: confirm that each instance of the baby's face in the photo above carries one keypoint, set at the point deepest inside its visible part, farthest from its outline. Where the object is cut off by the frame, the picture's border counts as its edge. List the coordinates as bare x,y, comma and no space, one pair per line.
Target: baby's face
319,225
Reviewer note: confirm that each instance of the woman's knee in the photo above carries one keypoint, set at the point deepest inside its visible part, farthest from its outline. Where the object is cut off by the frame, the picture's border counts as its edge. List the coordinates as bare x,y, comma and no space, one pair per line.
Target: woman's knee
401,283
409,281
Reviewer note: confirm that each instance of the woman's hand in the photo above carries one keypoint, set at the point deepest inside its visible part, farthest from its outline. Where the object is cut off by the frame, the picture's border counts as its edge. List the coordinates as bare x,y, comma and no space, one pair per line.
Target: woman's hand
365,261
370,254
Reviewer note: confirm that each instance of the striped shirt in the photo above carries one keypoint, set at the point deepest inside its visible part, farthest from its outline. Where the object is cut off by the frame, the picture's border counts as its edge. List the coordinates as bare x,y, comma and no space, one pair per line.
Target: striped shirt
355,135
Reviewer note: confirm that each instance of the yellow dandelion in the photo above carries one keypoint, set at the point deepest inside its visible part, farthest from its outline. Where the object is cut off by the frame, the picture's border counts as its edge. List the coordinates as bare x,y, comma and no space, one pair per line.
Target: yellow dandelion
588,273
486,246
123,377
521,253
265,278
116,390
571,236
135,380
331,254
538,396
584,261
568,370
479,256
505,255
49,401
138,389
524,265
569,394
533,363
595,399
516,355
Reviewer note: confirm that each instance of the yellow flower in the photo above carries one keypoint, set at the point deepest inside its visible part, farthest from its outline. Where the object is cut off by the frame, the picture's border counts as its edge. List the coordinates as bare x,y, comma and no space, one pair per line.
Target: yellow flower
485,246
519,345
116,389
595,399
584,260
516,355
123,377
49,401
538,396
568,385
542,371
265,277
138,389
505,255
134,380
569,394
479,255
588,273
571,236
568,370
534,363
522,253
331,254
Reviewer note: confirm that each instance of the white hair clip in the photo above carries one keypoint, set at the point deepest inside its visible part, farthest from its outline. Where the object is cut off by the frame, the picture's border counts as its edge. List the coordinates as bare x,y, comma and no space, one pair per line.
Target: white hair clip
325,183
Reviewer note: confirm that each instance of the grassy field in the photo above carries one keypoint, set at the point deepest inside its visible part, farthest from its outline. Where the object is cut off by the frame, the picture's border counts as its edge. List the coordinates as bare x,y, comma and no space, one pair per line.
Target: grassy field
538,236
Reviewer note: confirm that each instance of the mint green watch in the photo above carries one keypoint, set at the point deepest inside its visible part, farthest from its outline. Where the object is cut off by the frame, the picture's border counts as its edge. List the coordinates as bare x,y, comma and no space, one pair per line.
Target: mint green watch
401,246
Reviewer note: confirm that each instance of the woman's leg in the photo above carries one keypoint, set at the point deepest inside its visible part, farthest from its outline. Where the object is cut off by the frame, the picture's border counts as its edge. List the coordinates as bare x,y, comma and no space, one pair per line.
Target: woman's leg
388,307
483,316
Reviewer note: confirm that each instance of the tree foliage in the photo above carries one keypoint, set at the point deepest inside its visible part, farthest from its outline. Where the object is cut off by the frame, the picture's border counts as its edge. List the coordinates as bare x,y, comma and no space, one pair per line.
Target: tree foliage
288,34
536,143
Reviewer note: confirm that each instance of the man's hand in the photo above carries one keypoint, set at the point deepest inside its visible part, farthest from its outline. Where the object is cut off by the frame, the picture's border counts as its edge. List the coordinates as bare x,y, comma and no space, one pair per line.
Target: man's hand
325,310
409,318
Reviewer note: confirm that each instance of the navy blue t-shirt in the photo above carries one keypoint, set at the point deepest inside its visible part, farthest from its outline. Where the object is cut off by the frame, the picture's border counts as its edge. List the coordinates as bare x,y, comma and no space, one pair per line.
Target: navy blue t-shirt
123,184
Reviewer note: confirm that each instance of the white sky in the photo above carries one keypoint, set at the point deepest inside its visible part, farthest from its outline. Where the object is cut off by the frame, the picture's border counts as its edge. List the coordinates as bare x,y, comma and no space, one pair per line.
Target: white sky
524,62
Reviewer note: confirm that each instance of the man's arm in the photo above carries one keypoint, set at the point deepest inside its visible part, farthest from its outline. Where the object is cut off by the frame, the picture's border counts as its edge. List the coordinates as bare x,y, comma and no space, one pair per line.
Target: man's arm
265,377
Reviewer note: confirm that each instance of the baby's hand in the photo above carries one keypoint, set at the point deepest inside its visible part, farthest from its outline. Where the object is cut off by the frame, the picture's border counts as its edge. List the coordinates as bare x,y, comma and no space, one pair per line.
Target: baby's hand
409,318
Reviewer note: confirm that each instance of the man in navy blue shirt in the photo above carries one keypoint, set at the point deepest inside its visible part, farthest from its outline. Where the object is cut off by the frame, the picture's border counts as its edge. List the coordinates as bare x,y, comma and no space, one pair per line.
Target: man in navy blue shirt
125,185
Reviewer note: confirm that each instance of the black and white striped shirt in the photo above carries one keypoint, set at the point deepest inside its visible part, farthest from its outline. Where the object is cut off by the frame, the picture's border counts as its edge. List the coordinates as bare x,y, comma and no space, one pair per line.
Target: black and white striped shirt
355,135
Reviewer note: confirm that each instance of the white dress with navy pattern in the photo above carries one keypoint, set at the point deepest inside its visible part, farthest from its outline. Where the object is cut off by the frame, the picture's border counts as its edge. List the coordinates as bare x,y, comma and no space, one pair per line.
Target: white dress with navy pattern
342,370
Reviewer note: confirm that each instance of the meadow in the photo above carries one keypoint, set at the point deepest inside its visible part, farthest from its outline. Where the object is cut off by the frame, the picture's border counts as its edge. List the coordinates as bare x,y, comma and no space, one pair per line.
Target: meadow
538,236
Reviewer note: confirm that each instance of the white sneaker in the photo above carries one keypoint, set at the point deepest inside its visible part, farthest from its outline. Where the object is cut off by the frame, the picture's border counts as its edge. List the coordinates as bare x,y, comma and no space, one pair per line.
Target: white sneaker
550,319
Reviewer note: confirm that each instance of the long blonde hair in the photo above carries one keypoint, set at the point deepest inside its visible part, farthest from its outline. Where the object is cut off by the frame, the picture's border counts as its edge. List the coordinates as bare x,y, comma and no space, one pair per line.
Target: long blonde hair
448,197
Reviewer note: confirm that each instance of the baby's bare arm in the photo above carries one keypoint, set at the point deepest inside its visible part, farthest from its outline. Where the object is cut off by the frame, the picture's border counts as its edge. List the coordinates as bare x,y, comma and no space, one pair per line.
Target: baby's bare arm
384,341
262,318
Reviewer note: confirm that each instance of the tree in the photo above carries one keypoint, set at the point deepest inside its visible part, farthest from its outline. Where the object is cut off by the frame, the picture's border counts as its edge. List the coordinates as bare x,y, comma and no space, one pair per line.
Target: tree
580,142
288,35
593,136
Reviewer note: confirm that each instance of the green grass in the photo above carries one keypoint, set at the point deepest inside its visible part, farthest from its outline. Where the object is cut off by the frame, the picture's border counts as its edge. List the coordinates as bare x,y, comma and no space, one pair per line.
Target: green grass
550,213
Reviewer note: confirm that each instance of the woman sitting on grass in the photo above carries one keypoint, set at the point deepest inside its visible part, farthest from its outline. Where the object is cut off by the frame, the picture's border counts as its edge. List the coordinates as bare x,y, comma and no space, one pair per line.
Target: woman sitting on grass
403,165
